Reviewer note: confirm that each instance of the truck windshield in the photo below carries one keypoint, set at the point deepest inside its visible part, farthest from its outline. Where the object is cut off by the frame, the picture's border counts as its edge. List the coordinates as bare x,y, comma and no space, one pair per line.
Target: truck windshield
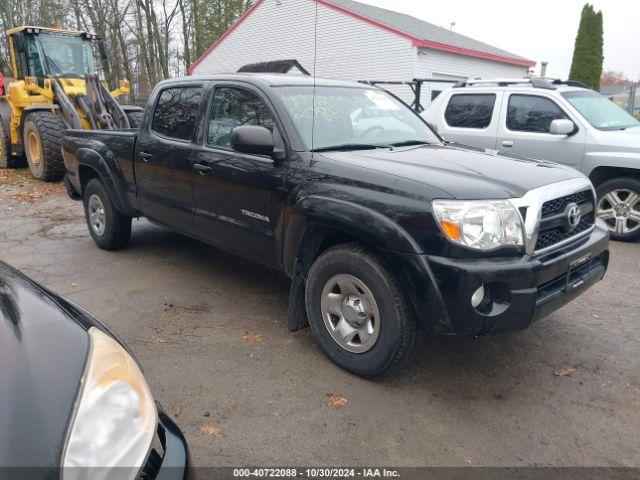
352,118
600,112
60,55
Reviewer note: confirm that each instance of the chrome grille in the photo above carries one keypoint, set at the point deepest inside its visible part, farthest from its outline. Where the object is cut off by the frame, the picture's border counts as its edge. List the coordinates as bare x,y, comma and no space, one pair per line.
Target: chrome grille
558,204
553,218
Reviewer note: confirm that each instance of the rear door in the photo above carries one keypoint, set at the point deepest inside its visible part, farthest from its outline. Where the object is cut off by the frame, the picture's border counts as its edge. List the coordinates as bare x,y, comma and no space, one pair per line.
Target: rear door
163,157
470,118
524,130
239,197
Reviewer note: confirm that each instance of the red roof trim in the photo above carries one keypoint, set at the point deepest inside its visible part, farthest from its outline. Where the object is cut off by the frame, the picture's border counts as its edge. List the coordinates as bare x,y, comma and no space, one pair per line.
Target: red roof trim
242,18
417,42
473,53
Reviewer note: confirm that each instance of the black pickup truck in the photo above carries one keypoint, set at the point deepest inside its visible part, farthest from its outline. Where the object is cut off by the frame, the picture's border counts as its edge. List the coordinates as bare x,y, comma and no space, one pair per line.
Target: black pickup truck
382,227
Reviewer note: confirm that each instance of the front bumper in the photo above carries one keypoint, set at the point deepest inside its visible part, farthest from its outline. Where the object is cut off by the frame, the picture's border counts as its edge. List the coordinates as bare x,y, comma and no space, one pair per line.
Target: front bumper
171,461
519,290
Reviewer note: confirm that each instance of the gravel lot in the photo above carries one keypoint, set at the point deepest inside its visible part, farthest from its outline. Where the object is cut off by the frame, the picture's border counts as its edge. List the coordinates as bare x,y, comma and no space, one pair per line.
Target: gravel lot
210,330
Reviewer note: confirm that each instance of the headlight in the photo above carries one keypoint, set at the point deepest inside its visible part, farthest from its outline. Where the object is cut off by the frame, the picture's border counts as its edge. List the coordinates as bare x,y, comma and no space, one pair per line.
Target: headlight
482,225
115,417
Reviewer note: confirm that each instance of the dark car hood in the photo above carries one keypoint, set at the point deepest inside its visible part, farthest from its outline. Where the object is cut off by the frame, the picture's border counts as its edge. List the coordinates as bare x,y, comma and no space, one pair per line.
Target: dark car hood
463,173
42,358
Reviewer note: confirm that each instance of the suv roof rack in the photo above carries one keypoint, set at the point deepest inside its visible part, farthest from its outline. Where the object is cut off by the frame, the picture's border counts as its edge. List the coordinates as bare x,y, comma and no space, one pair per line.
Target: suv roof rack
536,82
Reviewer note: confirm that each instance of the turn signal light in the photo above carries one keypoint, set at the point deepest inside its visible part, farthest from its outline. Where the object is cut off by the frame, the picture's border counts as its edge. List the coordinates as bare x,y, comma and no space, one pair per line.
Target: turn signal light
451,229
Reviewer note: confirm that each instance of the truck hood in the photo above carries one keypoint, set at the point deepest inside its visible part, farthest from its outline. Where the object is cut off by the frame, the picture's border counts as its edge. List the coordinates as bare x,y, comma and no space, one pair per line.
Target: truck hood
465,174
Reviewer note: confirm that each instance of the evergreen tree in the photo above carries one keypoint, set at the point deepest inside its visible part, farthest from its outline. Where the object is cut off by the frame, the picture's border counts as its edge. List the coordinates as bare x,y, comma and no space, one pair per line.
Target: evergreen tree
586,66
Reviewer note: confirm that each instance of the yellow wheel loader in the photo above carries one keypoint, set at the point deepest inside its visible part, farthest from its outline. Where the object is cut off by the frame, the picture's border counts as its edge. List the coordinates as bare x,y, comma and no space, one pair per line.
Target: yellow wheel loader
50,86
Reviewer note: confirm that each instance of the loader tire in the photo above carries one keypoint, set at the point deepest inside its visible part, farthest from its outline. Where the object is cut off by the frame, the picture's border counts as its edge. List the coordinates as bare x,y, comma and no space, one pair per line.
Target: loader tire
5,157
43,132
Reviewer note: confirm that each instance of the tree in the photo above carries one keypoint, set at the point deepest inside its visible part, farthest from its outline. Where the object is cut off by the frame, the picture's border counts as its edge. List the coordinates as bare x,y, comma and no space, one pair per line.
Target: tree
586,66
614,78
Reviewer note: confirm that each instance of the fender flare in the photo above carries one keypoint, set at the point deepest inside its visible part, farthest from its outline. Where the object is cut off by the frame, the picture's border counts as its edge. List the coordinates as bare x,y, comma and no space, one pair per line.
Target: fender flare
109,177
369,226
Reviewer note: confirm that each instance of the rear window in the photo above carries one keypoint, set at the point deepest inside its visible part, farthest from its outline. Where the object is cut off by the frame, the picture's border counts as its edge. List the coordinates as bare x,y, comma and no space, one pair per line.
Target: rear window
470,110
176,112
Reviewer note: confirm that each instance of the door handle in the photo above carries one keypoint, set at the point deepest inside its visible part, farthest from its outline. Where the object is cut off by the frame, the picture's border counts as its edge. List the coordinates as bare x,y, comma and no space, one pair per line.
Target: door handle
145,156
202,169
507,143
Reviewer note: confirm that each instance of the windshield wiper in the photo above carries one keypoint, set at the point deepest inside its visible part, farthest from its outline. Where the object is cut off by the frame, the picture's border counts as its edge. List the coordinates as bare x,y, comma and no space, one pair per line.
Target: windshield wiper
409,143
349,146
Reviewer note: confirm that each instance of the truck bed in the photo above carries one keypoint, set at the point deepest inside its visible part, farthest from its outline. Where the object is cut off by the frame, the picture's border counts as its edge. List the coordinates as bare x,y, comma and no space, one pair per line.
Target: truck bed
112,149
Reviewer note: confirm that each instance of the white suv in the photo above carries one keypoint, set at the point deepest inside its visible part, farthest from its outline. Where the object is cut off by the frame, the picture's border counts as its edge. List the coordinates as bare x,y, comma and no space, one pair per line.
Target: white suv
562,122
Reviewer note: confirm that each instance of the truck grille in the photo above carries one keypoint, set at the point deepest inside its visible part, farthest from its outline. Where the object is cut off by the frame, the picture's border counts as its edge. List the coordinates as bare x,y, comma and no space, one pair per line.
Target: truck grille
554,227
557,205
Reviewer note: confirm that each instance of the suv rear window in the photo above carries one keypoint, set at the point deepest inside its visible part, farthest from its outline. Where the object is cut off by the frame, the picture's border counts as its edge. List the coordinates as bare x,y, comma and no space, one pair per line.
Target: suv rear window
532,113
472,110
176,112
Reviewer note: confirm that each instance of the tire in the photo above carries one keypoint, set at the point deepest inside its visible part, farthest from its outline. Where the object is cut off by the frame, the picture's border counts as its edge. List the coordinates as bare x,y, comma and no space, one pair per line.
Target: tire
110,229
135,118
6,160
619,206
374,355
43,132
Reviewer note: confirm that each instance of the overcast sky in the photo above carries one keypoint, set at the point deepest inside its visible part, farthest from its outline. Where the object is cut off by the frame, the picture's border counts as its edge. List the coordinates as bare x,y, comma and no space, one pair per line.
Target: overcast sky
538,30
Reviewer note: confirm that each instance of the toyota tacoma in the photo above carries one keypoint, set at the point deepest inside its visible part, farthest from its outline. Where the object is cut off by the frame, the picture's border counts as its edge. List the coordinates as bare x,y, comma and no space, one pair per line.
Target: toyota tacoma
382,226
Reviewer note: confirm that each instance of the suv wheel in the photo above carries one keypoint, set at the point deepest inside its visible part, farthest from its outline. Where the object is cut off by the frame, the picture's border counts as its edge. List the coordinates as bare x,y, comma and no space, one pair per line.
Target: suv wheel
110,229
358,312
619,207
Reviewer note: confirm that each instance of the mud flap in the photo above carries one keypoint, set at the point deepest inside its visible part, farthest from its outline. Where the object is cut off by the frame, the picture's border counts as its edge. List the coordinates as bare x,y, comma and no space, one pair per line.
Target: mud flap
297,315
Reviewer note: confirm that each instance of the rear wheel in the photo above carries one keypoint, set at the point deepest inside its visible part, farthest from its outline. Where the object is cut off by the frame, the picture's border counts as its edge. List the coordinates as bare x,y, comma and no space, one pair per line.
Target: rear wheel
43,132
619,207
110,229
358,312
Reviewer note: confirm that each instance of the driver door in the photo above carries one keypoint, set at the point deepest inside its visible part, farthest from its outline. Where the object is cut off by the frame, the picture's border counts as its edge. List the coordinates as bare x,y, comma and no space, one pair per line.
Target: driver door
238,197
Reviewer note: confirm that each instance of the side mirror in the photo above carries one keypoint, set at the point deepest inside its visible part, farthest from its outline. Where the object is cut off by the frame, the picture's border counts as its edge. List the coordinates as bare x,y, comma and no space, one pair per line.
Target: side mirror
562,126
102,49
252,140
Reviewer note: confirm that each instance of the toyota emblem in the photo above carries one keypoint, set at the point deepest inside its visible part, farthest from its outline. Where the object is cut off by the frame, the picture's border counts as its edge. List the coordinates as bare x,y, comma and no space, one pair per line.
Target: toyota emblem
574,215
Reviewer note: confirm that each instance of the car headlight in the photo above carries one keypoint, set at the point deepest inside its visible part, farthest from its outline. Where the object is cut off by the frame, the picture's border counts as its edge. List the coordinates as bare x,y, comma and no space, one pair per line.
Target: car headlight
115,416
482,225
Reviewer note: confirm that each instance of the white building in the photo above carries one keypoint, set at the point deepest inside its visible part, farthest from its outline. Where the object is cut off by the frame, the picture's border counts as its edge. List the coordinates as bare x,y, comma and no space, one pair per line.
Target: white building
355,42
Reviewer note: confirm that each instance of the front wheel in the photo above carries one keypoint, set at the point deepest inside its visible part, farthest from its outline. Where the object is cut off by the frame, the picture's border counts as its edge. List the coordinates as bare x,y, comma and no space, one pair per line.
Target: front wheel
110,229
619,207
358,312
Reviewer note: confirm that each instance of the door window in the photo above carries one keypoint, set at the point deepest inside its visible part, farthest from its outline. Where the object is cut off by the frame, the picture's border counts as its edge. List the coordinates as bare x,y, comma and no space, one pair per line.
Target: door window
235,107
176,113
470,110
531,113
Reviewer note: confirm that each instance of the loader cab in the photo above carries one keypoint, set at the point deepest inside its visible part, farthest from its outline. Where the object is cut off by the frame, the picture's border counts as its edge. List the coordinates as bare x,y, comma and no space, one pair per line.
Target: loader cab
40,53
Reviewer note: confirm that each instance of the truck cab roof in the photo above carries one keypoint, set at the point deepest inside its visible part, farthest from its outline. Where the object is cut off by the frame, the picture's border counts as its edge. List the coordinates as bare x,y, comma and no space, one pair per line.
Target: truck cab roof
269,79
